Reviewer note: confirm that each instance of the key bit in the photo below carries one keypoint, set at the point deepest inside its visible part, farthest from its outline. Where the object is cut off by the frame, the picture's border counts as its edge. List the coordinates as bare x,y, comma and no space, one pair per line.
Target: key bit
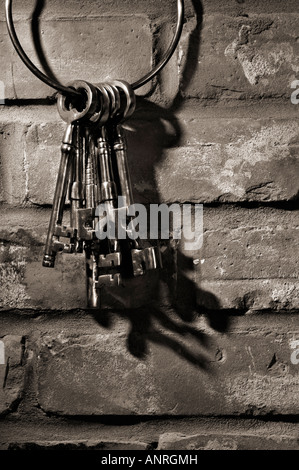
145,259
108,280
110,260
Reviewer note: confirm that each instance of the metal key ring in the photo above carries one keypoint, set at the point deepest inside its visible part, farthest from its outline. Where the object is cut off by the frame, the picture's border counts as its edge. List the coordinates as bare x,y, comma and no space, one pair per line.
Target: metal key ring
66,90
114,98
71,113
102,115
130,99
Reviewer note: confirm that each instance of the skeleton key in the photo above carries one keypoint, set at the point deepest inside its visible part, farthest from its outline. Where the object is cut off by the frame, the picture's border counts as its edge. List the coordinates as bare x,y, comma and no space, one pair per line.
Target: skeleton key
109,263
88,220
146,258
70,150
55,230
103,260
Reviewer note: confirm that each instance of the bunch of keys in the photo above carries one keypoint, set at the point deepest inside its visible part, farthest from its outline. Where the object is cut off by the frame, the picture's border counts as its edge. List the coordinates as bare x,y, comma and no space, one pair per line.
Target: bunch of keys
94,172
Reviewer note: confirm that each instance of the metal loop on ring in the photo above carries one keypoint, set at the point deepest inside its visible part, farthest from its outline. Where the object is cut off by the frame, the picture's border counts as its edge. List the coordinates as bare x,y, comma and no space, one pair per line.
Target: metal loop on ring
67,90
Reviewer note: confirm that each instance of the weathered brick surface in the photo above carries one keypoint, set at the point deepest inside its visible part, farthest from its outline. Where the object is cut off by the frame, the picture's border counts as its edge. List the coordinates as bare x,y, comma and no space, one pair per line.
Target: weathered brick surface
243,57
250,253
73,56
248,261
241,7
25,283
240,56
217,333
178,441
161,434
76,445
231,160
96,8
246,371
59,9
12,163
43,143
227,159
11,372
249,295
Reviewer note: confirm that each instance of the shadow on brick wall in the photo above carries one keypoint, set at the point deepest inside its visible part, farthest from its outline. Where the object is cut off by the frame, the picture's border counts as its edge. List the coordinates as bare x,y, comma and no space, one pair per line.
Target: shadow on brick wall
173,300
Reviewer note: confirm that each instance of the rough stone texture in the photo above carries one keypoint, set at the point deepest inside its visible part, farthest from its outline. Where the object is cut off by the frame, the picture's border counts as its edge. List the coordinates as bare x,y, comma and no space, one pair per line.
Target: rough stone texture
43,149
247,371
228,159
147,434
248,262
96,8
178,441
76,445
25,283
241,7
231,160
12,163
59,9
250,253
250,295
11,372
243,57
217,334
73,56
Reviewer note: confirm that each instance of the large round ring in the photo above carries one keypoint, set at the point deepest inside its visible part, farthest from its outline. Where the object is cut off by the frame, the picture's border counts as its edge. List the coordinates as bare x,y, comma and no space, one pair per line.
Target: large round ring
65,90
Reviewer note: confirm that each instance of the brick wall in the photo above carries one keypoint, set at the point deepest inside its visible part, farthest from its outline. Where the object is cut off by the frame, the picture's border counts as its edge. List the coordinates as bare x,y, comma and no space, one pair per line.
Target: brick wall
197,356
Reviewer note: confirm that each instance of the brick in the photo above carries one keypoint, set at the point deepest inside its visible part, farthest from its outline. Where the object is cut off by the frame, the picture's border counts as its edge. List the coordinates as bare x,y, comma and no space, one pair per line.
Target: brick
69,9
30,140
25,283
12,163
73,56
227,159
11,372
242,7
240,58
76,445
230,160
250,253
248,295
225,441
247,261
247,371
43,143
